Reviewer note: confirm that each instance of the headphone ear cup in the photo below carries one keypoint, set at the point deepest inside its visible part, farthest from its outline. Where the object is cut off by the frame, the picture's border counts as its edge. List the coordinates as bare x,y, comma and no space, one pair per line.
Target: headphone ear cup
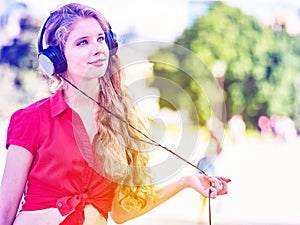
52,60
111,41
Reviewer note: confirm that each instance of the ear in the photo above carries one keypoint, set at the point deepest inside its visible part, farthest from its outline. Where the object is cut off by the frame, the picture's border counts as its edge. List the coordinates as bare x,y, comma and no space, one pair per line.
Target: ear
56,83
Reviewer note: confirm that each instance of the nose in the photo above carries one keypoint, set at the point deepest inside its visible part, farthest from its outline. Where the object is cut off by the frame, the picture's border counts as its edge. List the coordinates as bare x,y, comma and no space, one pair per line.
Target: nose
99,48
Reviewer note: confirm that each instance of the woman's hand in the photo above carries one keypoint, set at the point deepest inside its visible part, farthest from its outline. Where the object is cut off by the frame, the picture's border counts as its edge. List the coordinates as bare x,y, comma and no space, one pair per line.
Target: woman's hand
203,183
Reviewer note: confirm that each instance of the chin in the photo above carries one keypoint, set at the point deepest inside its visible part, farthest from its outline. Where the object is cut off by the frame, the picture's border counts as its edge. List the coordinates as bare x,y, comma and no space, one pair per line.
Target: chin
95,72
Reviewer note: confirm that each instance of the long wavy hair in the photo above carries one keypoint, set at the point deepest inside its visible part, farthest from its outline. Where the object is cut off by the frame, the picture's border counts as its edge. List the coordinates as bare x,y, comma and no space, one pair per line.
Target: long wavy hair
119,147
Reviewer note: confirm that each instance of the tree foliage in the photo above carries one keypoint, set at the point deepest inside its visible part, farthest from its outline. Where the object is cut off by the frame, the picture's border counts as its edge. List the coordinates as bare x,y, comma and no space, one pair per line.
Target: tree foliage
261,64
20,83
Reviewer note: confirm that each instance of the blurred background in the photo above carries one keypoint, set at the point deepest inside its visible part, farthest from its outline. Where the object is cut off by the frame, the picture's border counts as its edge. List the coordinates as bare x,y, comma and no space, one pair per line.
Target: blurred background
252,51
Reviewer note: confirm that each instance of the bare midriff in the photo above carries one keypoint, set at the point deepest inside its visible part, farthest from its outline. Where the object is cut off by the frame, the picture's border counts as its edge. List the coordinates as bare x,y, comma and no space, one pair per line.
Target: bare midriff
52,216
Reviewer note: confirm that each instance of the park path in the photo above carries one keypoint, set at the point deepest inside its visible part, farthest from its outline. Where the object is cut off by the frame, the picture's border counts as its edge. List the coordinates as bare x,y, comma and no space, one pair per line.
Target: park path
265,188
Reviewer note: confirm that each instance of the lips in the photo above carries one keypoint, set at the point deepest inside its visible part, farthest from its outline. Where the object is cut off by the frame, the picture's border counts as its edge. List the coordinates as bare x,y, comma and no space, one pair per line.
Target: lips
97,63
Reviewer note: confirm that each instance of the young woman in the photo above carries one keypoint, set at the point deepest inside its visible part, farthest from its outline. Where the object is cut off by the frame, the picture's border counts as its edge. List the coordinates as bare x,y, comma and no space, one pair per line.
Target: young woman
76,160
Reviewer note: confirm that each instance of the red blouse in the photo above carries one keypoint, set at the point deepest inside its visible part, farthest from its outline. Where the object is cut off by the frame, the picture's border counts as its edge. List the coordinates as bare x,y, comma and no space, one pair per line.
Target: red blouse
62,174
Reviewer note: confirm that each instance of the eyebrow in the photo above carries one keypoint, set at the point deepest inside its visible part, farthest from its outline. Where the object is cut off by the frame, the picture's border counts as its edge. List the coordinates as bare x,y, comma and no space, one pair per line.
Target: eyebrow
85,37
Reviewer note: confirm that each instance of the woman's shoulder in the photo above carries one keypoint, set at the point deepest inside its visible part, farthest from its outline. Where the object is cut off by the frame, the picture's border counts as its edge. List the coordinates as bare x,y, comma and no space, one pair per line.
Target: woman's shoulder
34,108
39,104
25,125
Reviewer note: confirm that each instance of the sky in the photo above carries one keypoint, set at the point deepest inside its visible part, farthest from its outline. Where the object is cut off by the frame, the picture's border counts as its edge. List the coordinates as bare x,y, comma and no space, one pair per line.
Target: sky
163,20
151,19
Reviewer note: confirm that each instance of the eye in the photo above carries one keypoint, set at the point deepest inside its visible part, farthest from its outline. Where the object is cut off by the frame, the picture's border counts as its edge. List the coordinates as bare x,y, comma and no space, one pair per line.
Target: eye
101,38
82,43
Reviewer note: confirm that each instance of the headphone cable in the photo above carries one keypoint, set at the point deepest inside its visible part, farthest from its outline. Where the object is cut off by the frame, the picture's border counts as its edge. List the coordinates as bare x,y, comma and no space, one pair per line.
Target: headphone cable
152,142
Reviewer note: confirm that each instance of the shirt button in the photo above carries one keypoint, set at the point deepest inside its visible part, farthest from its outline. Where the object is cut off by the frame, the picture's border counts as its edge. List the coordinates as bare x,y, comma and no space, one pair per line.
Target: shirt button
59,204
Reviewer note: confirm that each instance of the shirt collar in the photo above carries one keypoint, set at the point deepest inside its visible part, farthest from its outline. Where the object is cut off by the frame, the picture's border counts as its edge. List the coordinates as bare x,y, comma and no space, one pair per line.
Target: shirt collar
58,103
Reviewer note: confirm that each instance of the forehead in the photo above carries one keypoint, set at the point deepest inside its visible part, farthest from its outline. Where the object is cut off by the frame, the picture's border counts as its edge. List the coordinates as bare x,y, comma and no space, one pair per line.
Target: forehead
85,26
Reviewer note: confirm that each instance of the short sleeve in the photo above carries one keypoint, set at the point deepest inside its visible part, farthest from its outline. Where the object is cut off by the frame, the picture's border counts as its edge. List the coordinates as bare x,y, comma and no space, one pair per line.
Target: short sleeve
23,130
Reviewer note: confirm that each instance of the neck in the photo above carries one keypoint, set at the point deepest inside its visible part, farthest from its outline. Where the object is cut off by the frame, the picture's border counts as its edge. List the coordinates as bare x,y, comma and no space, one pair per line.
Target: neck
83,105
78,100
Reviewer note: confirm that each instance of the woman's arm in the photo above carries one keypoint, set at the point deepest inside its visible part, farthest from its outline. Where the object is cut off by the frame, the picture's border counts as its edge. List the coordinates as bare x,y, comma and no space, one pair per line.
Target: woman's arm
14,178
200,183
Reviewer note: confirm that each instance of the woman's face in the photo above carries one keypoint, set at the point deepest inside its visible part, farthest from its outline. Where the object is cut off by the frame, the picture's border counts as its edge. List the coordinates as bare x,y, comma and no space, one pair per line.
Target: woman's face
86,51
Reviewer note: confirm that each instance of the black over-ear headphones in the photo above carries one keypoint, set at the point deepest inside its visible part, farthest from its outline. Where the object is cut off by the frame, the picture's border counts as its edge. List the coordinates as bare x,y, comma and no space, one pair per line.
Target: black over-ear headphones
52,59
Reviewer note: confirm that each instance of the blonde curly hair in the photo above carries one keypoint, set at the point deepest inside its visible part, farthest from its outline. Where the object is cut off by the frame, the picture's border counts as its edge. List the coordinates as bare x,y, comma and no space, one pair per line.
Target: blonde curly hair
122,141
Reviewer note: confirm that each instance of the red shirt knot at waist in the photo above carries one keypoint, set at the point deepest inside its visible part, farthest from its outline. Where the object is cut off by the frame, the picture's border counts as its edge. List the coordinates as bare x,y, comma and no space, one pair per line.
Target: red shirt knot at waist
67,204
75,205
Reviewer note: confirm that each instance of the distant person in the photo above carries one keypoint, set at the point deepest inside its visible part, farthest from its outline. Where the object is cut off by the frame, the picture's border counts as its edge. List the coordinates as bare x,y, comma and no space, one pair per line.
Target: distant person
264,125
214,148
237,127
285,129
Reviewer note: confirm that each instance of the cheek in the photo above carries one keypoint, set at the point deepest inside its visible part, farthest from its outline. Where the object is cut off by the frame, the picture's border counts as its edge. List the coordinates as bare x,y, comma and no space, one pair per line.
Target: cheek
75,60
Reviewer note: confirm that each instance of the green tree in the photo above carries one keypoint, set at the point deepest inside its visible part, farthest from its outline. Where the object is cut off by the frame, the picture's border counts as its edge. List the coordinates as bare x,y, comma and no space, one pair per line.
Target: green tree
262,64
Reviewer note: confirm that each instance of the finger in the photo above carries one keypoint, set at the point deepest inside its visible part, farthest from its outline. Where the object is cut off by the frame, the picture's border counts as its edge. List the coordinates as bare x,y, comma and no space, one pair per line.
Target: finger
216,183
213,192
224,189
227,180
